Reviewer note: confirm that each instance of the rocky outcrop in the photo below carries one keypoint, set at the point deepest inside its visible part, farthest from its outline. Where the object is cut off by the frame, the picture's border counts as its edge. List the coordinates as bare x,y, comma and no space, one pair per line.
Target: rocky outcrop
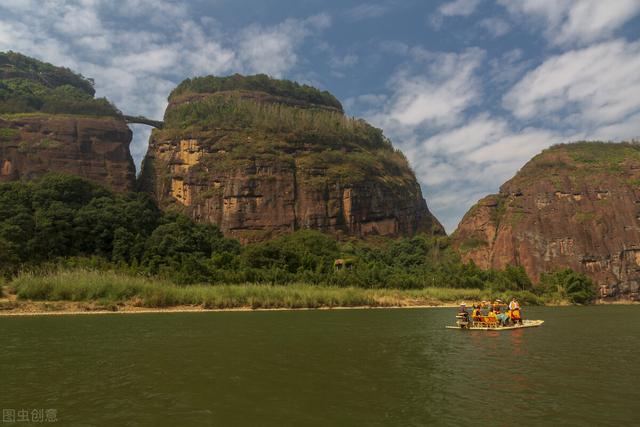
93,148
51,122
258,165
574,205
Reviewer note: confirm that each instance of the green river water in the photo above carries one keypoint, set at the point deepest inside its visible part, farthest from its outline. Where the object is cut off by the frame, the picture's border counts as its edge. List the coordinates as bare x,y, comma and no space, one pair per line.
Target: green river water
341,367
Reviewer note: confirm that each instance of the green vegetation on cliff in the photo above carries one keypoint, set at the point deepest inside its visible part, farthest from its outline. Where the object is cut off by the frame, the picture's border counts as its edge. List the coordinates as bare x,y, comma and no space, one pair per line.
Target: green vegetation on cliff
15,65
233,112
579,160
28,85
256,83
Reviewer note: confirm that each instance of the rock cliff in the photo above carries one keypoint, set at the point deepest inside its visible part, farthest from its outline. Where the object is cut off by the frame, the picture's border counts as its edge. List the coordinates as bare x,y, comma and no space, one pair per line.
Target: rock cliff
50,121
574,205
261,157
93,148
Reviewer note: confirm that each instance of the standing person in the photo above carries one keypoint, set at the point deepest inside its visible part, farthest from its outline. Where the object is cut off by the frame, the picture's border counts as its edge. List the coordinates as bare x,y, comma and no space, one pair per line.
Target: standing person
514,309
463,311
463,316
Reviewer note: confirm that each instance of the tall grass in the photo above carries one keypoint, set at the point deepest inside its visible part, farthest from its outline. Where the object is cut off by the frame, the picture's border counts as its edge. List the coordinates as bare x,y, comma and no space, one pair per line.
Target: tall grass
88,285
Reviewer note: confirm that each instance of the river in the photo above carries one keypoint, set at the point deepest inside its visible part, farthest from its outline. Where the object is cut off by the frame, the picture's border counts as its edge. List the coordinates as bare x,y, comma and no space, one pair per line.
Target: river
330,367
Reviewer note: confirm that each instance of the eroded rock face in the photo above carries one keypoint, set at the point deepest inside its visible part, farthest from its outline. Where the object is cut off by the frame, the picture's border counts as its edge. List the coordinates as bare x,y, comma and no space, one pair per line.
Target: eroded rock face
574,205
93,148
267,174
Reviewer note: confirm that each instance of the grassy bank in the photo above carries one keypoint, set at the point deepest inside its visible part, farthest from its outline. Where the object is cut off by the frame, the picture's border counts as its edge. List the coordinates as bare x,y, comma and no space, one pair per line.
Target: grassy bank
116,288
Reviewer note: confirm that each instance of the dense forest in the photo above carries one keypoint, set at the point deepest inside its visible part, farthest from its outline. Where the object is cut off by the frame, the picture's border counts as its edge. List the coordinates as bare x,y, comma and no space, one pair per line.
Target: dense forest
62,221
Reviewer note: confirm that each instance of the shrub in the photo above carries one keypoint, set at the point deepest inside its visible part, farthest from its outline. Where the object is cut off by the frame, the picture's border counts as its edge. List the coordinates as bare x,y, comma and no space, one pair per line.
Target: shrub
259,82
577,287
28,85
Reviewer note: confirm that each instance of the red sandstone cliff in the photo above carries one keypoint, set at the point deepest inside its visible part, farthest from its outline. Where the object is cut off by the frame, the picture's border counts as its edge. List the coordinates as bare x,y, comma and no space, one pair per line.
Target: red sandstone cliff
574,205
258,165
93,148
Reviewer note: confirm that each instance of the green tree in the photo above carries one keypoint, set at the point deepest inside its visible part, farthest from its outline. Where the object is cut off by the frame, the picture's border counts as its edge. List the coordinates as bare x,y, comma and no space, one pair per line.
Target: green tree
575,286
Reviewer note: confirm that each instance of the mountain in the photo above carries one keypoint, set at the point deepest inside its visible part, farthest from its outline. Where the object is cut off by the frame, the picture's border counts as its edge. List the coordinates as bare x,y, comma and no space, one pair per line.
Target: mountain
50,121
261,157
573,205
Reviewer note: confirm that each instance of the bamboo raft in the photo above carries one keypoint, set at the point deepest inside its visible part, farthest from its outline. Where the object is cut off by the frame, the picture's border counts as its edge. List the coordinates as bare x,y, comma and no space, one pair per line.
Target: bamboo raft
495,326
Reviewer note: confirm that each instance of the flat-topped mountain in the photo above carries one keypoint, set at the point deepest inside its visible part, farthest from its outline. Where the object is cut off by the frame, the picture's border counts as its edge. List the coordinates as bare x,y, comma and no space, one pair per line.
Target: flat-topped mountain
574,205
50,121
261,157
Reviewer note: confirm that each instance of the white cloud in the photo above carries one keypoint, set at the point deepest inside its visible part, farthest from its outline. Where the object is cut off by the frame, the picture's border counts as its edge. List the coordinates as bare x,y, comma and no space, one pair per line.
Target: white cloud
272,50
77,20
465,139
497,27
455,8
509,67
162,11
157,59
575,22
393,47
346,61
459,7
600,84
624,130
436,94
366,11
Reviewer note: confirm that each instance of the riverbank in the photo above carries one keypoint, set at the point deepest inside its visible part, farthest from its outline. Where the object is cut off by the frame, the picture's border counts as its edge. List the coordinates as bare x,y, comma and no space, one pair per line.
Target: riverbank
86,291
11,305
60,308
102,292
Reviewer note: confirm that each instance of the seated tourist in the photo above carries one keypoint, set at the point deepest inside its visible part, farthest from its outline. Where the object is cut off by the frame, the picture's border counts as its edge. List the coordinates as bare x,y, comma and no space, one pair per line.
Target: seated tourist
515,316
502,317
491,317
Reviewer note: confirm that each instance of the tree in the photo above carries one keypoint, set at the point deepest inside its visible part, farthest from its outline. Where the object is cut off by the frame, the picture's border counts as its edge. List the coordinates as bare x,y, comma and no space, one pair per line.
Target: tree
577,287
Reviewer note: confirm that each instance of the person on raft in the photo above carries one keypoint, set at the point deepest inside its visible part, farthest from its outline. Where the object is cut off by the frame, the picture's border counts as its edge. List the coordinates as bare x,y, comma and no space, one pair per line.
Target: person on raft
463,312
514,311
503,318
476,314
492,315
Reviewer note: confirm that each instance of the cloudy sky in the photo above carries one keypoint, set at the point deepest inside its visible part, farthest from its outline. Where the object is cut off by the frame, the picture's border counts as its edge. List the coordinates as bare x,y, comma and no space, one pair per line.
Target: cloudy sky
468,89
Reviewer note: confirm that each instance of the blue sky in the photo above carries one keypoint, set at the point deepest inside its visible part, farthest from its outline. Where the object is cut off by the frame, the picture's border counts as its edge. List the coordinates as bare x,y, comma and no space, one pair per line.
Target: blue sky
468,89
